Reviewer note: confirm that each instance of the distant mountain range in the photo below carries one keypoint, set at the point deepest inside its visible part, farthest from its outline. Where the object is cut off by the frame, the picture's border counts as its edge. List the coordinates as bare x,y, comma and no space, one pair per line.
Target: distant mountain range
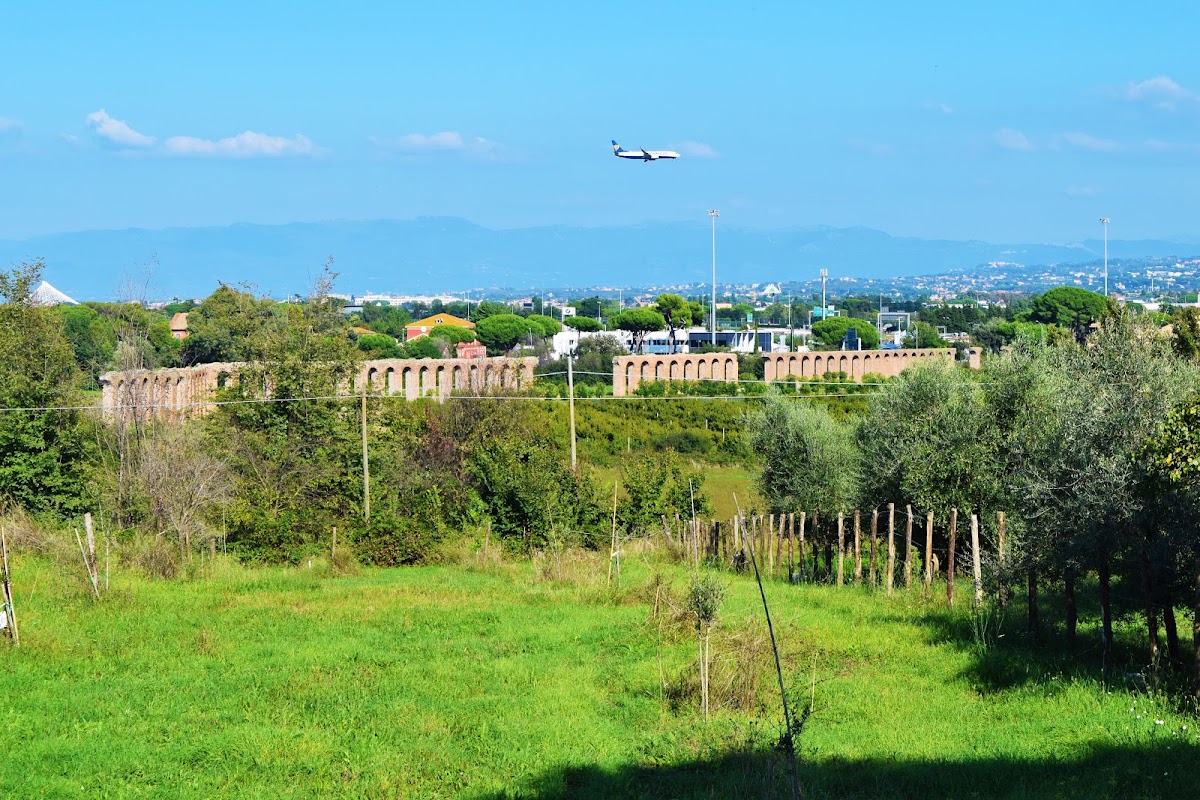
435,254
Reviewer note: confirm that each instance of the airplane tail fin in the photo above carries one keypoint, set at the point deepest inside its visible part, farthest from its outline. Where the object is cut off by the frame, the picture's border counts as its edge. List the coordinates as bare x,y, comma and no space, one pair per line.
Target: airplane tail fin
616,147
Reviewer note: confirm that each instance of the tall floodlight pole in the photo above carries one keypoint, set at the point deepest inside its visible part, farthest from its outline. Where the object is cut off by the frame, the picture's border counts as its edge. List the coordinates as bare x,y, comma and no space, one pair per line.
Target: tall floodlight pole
1104,221
824,305
714,213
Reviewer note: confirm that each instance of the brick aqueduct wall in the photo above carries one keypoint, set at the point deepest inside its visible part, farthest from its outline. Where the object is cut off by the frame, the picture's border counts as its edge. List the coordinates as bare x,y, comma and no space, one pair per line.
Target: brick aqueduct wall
173,392
629,372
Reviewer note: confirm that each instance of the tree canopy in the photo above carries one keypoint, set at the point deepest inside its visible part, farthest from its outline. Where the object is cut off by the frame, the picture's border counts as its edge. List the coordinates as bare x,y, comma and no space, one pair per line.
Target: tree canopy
501,332
1069,307
830,332
639,322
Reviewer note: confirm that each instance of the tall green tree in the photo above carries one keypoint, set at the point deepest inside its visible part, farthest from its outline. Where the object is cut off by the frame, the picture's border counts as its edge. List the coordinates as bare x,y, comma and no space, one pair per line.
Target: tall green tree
93,338
45,445
293,447
1072,308
678,313
928,443
638,322
500,333
830,332
232,326
809,460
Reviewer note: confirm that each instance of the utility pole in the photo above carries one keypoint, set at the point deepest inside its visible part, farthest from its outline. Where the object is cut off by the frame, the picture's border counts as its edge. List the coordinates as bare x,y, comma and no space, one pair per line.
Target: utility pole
1104,221
366,466
714,213
571,403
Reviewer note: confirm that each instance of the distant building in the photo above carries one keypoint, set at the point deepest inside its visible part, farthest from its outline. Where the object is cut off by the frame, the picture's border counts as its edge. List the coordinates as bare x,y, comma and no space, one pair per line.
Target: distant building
179,325
471,350
423,326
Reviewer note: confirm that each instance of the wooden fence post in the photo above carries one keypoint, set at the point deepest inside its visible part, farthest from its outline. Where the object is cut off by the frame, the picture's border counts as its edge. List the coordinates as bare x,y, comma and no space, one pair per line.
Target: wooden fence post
950,557
771,545
908,548
1002,588
890,578
800,555
780,535
929,549
874,537
841,546
791,545
857,548
11,627
975,564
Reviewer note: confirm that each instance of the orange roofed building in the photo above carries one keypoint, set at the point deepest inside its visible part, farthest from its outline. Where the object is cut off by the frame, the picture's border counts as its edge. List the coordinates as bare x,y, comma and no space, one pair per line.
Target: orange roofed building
423,326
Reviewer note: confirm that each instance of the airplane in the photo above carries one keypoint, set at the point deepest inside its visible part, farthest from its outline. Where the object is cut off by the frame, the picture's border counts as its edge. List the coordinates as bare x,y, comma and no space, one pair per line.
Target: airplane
642,155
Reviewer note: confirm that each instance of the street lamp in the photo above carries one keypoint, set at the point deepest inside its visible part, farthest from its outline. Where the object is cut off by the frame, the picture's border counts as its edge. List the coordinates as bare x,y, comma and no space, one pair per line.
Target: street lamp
1104,221
714,213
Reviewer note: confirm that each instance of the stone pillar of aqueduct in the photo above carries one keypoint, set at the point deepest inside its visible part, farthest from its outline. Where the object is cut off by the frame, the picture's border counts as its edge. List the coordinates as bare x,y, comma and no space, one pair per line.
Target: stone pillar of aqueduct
169,393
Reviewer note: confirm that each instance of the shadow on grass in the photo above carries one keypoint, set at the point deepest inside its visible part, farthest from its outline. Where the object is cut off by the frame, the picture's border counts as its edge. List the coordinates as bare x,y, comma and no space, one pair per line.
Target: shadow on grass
1167,770
1006,655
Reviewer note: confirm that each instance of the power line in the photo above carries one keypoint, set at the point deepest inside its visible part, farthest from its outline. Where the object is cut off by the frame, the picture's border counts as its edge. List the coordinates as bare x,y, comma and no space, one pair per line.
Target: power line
125,408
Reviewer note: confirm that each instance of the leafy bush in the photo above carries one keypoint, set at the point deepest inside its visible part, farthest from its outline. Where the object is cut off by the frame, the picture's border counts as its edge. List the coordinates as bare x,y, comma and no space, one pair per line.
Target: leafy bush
391,541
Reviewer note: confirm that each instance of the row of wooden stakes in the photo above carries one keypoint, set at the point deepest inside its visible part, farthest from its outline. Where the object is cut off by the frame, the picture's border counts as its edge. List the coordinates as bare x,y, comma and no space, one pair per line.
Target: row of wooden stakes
785,542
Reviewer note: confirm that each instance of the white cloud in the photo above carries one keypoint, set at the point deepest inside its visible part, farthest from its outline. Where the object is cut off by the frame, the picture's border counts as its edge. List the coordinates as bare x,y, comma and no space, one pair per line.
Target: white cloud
1161,92
420,143
248,144
939,107
1088,142
8,125
116,132
1011,139
1081,191
697,150
443,142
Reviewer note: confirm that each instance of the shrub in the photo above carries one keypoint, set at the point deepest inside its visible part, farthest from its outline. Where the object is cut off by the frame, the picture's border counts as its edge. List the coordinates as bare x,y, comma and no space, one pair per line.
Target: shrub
390,541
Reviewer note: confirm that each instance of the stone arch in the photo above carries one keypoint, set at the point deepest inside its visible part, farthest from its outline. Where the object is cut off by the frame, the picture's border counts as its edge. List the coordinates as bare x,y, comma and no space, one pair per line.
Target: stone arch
689,370
673,370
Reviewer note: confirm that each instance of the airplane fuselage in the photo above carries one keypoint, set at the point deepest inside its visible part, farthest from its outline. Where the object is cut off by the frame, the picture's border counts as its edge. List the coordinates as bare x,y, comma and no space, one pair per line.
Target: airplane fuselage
643,155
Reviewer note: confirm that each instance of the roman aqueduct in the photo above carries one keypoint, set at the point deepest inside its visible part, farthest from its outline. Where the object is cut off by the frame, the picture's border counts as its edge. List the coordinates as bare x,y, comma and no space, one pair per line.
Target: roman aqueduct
190,390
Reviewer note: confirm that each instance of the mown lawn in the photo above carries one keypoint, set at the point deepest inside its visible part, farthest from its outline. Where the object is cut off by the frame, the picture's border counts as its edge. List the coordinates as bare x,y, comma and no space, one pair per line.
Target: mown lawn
516,680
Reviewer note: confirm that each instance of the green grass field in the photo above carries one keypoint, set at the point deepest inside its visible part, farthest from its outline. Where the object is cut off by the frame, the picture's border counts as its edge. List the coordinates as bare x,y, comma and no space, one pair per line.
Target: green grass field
484,680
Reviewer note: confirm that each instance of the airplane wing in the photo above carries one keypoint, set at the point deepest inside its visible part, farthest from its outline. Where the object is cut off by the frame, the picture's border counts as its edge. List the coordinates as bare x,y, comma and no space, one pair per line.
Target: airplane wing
647,155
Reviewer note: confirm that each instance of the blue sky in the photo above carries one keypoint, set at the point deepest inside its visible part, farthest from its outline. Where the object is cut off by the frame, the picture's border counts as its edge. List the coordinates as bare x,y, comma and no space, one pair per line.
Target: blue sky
1014,121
